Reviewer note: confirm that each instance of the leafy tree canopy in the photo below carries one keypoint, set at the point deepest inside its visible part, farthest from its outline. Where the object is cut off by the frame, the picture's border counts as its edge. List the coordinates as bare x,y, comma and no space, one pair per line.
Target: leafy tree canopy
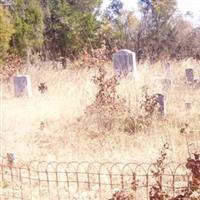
6,29
29,26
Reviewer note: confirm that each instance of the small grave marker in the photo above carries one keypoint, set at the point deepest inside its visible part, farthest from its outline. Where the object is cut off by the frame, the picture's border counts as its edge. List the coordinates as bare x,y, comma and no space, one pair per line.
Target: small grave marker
189,75
167,70
22,85
166,84
160,100
196,84
188,106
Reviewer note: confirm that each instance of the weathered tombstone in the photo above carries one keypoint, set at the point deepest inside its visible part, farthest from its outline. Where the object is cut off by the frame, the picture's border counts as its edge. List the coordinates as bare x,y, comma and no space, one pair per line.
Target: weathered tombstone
22,85
160,100
166,84
189,75
196,84
188,106
124,61
167,70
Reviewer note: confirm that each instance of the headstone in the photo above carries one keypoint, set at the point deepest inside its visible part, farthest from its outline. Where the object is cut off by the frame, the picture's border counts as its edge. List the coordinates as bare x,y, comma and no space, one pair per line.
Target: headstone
124,62
167,69
22,85
196,84
160,100
166,84
189,75
188,106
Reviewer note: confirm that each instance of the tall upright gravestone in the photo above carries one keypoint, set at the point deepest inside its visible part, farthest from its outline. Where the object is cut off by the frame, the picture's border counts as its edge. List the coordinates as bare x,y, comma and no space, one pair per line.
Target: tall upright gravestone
124,62
22,85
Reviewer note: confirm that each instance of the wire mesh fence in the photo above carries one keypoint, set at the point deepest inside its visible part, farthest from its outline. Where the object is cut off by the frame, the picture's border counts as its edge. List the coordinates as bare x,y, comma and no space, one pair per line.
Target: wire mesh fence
85,180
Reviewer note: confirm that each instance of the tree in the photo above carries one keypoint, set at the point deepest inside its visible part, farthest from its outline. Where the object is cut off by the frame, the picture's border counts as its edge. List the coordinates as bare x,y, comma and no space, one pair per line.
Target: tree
6,29
68,30
29,25
85,5
119,26
155,28
114,9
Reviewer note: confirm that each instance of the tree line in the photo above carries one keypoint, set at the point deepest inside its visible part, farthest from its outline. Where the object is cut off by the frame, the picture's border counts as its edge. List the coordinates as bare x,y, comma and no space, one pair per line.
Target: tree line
66,28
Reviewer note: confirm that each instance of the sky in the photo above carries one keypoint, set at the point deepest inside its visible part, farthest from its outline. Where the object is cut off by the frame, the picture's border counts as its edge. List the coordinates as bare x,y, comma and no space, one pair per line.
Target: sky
184,6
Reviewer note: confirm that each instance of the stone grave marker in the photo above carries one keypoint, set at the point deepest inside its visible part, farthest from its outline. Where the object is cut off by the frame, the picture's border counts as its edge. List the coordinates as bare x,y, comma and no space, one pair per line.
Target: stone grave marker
188,106
160,100
189,73
196,84
22,85
167,70
124,62
166,84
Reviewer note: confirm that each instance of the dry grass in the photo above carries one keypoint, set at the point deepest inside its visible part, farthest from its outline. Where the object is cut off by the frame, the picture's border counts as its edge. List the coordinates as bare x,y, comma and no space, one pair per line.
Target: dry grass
69,135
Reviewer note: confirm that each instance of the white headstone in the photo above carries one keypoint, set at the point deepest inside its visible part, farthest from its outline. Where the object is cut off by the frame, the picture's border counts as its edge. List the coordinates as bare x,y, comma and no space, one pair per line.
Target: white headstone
22,85
124,62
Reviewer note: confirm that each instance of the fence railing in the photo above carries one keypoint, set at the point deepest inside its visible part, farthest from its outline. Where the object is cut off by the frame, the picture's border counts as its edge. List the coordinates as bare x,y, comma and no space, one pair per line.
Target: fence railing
85,180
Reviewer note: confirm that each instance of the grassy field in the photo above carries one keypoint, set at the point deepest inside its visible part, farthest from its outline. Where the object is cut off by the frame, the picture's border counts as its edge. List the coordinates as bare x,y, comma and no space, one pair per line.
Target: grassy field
69,135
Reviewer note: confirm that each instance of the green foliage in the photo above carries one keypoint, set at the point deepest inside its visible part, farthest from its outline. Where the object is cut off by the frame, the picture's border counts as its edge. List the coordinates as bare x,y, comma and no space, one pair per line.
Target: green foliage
28,21
114,9
69,30
85,5
6,29
120,31
156,16
66,28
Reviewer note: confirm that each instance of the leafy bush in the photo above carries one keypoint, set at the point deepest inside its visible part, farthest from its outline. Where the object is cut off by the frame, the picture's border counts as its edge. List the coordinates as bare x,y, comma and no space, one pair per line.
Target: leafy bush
6,30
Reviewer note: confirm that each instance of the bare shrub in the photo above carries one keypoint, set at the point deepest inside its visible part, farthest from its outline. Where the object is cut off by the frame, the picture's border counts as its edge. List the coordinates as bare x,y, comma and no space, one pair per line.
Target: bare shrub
128,193
11,65
192,192
156,192
142,121
97,57
107,104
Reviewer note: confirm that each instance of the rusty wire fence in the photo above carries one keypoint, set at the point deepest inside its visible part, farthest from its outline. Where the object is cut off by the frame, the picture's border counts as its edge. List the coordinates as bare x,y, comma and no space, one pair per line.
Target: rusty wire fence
73,180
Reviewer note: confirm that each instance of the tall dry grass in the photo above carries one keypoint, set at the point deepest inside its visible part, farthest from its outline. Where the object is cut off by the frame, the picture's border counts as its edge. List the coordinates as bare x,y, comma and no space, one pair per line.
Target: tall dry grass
70,135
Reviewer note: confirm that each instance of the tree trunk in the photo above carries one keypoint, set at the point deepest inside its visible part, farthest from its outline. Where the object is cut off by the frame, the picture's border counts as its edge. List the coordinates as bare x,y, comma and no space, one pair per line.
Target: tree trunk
64,63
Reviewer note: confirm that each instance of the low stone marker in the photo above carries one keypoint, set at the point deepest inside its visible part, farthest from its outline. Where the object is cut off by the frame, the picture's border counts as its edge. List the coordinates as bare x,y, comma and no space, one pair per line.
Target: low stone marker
188,106
160,100
124,62
189,73
166,84
22,85
167,70
197,84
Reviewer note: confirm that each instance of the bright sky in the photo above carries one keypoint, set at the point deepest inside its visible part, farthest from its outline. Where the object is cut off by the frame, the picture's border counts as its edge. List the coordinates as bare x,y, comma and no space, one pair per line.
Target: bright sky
192,6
